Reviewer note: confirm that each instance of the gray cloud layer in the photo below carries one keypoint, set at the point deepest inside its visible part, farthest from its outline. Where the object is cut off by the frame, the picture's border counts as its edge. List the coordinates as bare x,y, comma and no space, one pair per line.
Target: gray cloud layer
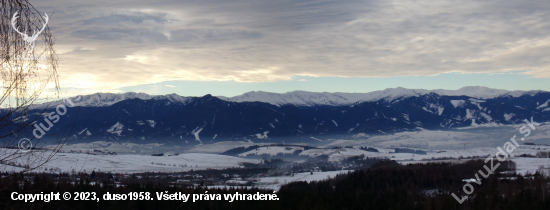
122,43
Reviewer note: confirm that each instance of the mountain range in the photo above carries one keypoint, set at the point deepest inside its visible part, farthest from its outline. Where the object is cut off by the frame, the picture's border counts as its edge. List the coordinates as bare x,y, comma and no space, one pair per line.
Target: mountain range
297,116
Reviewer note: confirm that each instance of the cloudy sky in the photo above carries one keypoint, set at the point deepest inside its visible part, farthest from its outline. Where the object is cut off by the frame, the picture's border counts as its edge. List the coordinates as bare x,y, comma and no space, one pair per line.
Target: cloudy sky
230,47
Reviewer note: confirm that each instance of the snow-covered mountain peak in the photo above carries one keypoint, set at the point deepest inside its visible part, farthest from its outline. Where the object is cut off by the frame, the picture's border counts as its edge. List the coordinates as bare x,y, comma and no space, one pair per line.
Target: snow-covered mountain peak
175,98
304,98
108,99
475,91
394,93
300,98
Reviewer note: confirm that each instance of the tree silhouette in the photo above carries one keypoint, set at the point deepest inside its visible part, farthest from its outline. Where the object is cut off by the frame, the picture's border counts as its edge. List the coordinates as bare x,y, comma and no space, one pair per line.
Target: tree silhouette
28,67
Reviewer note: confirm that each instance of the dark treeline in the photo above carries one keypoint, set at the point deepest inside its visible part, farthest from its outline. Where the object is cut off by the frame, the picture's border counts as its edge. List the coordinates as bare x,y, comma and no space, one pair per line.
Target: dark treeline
385,185
389,185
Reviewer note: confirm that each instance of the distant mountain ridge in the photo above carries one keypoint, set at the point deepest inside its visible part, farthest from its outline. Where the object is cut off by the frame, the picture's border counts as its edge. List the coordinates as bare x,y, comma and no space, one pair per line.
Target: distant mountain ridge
300,98
108,99
303,98
291,117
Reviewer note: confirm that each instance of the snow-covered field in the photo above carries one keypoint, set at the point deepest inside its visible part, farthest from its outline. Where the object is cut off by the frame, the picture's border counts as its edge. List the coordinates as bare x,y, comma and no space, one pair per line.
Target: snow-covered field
67,162
437,144
471,137
197,161
530,165
272,150
124,148
425,137
223,146
275,183
523,164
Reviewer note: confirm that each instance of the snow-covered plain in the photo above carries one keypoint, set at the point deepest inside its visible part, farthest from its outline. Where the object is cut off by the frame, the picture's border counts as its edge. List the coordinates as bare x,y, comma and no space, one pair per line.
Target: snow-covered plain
66,162
438,145
275,183
530,165
272,150
470,137
223,146
117,147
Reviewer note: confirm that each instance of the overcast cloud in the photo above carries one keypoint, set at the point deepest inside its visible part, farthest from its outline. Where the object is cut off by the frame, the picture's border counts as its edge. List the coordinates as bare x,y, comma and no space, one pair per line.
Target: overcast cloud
126,43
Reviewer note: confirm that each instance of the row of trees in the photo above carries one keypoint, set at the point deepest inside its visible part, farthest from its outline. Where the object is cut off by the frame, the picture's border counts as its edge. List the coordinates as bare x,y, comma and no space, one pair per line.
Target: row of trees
543,154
